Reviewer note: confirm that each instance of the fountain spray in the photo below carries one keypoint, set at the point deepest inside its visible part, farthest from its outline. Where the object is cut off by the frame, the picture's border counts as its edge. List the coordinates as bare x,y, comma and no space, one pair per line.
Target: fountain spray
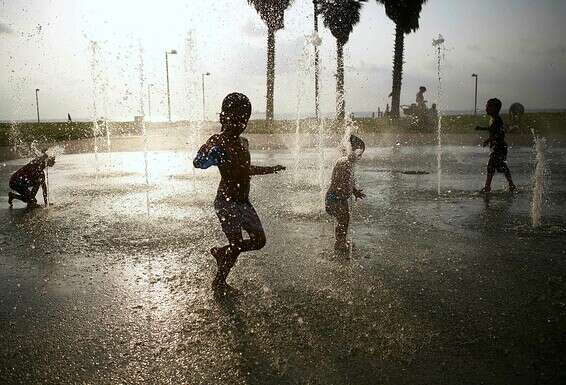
538,180
191,86
307,61
47,185
144,134
93,69
346,147
438,43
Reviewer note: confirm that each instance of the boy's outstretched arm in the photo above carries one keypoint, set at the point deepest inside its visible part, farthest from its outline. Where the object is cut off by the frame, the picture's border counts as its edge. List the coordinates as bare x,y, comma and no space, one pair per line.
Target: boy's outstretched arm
210,154
264,170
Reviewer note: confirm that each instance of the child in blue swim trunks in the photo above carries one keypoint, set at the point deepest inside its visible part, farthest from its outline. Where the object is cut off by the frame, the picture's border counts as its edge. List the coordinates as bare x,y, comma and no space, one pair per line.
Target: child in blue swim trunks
230,153
342,187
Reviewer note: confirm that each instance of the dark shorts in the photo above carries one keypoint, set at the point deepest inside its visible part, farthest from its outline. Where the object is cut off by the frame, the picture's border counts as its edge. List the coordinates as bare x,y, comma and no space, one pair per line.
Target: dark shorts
498,160
336,207
22,187
237,216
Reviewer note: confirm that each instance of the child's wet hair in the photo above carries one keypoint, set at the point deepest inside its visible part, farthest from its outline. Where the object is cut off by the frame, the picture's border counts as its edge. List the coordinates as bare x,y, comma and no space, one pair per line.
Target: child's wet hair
495,103
357,143
236,107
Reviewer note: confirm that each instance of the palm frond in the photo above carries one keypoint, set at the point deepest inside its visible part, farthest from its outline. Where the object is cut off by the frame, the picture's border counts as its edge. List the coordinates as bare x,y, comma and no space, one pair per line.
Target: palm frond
404,13
271,11
340,17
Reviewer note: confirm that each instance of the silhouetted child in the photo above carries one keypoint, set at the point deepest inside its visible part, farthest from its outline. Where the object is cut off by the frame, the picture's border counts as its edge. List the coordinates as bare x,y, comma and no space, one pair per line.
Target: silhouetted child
496,141
230,152
27,180
342,187
420,100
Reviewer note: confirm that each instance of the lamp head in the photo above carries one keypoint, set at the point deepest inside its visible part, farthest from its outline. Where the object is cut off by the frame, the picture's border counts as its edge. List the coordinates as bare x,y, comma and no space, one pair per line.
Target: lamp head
173,52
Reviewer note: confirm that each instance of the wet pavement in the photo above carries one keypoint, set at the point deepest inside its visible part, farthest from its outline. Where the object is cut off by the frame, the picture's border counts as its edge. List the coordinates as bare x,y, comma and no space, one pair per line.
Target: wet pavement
111,283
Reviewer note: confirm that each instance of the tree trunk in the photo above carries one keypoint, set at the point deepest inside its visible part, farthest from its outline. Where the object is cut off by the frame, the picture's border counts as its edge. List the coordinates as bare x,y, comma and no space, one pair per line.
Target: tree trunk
340,102
397,72
270,76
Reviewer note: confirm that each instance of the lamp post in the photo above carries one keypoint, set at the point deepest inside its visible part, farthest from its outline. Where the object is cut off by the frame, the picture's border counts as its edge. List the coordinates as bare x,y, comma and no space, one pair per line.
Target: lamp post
476,95
172,52
149,100
316,65
37,103
203,100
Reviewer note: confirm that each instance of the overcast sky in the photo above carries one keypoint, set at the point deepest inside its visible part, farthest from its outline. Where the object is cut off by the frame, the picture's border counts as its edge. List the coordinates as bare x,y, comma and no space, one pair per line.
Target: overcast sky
516,46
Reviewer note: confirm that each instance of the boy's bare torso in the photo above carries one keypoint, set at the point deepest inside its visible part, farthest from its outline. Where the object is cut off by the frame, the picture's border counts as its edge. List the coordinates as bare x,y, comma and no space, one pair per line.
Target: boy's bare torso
342,182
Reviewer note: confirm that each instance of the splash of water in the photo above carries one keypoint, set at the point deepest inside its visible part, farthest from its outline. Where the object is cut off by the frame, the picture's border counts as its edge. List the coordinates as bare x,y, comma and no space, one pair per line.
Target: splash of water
438,43
191,95
538,180
303,74
19,145
144,133
95,77
321,160
345,148
53,152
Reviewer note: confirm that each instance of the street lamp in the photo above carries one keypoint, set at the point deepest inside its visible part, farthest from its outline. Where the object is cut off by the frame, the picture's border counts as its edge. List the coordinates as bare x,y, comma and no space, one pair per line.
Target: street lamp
37,103
172,52
203,105
149,100
476,95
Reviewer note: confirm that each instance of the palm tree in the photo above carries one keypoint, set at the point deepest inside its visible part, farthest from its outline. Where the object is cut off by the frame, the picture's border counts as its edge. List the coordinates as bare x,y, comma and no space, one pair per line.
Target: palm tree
340,16
405,14
271,12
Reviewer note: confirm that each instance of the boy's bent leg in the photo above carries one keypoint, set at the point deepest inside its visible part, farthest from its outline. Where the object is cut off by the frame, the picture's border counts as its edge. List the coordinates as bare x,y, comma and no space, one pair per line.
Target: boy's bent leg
23,192
252,225
491,166
488,179
343,220
226,258
505,170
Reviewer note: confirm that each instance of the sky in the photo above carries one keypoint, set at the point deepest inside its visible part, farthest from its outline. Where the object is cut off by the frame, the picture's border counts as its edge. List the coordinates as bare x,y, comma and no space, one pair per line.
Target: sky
515,46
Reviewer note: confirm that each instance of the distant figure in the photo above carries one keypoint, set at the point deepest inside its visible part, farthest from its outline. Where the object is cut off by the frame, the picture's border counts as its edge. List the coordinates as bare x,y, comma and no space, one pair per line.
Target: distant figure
516,111
230,152
27,180
386,113
496,141
69,118
433,114
342,186
421,102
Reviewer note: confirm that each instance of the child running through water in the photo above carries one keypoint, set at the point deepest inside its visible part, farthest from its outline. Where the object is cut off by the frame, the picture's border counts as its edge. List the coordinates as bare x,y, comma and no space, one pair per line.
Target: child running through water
342,187
496,141
230,152
28,179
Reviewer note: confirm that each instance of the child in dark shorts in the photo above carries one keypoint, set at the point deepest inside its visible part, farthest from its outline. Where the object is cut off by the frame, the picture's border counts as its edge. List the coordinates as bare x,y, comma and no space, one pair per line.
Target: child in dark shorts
342,187
496,141
28,179
230,153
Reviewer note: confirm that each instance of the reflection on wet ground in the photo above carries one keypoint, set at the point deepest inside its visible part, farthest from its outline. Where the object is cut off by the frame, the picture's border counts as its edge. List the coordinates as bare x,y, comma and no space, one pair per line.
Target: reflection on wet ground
111,283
